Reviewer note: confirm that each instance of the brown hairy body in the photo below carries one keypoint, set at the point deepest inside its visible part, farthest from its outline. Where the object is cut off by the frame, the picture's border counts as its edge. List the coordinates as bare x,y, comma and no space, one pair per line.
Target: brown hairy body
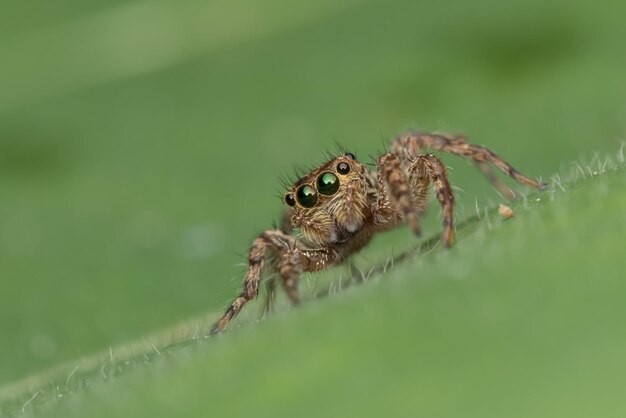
339,206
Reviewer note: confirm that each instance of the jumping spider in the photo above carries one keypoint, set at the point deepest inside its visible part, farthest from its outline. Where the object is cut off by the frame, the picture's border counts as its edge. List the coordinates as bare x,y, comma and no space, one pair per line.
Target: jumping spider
339,206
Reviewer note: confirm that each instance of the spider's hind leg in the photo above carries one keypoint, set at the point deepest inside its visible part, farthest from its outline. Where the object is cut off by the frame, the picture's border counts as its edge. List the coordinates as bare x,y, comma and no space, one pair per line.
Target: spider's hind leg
502,188
410,144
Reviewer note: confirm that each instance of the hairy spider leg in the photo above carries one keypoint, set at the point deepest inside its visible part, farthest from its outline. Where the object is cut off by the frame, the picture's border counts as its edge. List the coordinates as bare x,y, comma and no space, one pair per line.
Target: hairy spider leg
436,173
392,178
293,260
410,144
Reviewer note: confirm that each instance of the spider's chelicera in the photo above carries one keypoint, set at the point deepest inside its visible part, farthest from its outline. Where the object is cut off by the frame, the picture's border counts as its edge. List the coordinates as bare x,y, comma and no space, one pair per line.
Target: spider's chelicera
334,210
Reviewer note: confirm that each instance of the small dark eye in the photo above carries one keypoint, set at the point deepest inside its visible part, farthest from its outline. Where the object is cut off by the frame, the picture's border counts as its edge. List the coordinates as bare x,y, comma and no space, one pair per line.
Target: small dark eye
290,199
343,168
306,196
327,184
350,155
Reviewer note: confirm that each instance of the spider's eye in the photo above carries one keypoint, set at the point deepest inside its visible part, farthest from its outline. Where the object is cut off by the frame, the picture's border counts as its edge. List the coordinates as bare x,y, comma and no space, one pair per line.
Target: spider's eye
350,155
343,168
306,196
290,199
327,183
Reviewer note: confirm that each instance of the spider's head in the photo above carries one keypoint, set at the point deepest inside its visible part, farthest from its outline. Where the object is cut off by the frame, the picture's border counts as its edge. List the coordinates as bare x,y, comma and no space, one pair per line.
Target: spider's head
329,203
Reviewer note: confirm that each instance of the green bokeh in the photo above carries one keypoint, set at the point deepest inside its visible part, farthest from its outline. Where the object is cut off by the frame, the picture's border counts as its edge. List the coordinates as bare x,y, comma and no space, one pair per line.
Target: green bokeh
142,143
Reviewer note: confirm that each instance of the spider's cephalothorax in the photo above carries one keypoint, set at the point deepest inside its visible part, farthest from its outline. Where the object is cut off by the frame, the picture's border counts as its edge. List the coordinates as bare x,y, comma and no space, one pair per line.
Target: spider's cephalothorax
330,203
337,208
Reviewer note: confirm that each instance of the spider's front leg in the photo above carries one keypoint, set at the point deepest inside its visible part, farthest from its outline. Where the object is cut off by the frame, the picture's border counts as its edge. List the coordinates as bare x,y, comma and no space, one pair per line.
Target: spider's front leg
270,284
292,258
298,260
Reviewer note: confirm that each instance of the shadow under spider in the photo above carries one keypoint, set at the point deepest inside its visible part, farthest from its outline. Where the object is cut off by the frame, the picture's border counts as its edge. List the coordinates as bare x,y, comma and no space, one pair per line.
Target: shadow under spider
358,276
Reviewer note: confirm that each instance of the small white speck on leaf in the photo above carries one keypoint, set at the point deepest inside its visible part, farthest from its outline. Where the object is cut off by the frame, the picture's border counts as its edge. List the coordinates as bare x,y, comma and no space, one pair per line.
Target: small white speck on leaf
505,211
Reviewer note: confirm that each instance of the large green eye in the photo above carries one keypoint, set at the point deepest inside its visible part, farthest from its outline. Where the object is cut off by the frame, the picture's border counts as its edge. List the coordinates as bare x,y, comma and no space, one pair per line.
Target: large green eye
306,196
327,183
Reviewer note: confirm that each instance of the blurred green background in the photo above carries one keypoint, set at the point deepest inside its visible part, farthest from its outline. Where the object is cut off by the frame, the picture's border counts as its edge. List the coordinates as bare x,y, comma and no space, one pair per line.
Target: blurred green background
142,142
